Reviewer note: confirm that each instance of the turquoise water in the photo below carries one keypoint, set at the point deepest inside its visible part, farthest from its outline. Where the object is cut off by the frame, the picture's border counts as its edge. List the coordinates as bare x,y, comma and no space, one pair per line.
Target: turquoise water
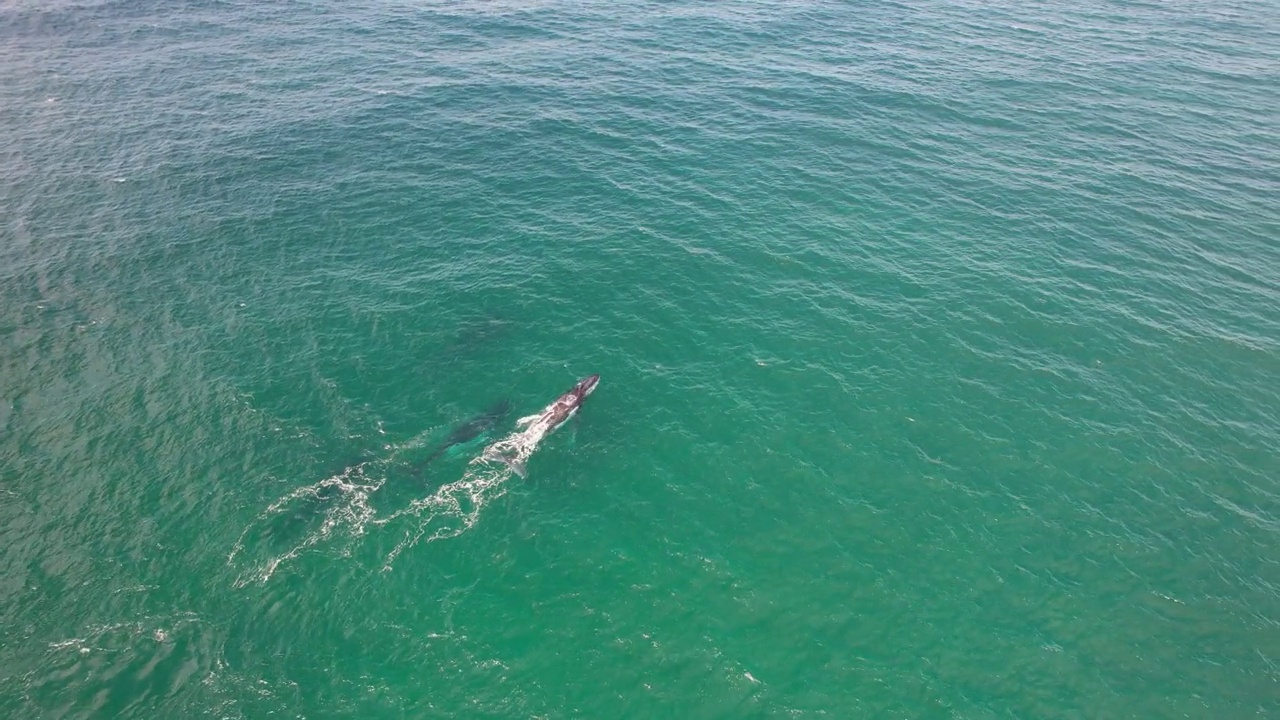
940,347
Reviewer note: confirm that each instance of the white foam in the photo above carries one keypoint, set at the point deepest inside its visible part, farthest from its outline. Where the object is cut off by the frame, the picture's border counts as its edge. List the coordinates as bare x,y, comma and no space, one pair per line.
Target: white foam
446,513
351,512
451,510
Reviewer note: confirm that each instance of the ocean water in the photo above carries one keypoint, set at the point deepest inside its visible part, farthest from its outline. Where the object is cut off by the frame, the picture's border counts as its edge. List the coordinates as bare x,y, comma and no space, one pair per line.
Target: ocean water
939,344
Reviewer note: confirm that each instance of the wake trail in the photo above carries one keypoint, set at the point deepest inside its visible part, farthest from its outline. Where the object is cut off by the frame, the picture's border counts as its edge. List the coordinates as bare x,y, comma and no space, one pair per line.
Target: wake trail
347,497
448,512
455,508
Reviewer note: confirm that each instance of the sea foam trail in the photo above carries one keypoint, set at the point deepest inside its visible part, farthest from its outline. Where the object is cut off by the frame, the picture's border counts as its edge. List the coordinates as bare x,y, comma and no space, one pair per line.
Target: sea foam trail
346,514
449,511
455,508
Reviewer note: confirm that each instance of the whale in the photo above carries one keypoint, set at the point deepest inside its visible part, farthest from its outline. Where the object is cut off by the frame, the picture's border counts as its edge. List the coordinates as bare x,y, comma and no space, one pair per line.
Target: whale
515,449
473,428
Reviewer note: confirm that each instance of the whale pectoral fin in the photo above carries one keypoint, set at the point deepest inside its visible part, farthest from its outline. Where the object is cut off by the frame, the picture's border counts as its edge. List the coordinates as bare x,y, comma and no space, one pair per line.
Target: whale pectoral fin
526,420
505,456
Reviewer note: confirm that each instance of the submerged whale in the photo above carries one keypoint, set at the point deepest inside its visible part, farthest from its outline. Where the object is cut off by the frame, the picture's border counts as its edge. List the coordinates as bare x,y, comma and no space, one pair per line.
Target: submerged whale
470,430
515,449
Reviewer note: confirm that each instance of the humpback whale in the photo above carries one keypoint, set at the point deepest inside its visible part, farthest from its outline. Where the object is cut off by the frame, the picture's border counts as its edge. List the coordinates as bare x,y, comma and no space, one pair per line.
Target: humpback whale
515,449
470,430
